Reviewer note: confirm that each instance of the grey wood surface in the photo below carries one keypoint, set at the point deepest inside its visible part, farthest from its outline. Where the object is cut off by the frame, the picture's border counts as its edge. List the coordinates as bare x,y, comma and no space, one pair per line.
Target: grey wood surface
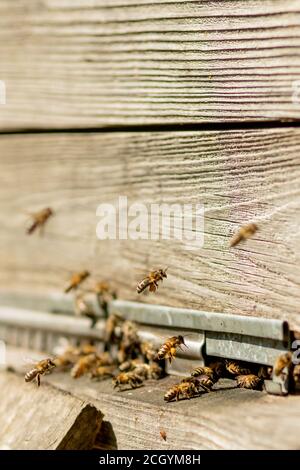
227,418
240,176
44,418
99,63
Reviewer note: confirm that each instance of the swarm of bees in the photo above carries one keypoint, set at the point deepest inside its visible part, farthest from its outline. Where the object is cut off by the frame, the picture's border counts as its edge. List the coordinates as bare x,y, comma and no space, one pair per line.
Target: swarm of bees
128,360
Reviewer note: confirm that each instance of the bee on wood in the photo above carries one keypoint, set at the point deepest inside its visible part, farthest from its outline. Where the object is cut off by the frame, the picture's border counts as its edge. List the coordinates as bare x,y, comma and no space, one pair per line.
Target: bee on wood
185,389
84,365
264,372
102,372
111,335
236,368
243,233
85,309
169,348
249,381
218,367
104,294
76,280
149,371
202,381
39,219
296,374
163,434
41,368
130,364
130,343
283,361
148,351
152,280
202,370
127,378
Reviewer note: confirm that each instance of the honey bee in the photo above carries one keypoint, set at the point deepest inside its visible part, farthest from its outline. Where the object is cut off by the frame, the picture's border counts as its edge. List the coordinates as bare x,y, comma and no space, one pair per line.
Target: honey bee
41,368
127,378
264,372
85,309
187,388
148,351
76,280
202,381
39,219
130,365
284,360
149,371
296,373
113,321
84,365
218,367
102,372
152,280
248,381
169,348
104,294
163,434
243,233
202,370
236,368
130,342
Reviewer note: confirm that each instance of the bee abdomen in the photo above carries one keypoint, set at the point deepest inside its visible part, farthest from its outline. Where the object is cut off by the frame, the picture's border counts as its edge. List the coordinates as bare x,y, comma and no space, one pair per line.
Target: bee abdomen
142,286
31,375
248,381
170,394
163,351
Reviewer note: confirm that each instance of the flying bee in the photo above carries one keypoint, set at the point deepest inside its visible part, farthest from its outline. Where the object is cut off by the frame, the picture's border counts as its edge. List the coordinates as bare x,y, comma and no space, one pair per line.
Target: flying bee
102,372
41,368
284,360
244,232
84,365
248,381
186,389
152,280
76,280
169,348
236,368
39,219
85,309
127,378
163,434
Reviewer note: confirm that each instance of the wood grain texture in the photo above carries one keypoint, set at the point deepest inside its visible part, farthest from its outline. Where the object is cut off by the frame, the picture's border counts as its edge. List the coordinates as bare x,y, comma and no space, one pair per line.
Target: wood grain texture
238,175
227,418
101,63
44,419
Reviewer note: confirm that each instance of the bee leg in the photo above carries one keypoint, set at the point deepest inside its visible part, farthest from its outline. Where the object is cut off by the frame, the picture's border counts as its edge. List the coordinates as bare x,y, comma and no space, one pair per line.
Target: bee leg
38,378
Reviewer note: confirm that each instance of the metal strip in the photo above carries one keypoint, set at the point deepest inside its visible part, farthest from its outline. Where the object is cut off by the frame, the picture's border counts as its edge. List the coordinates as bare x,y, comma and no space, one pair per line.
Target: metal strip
205,321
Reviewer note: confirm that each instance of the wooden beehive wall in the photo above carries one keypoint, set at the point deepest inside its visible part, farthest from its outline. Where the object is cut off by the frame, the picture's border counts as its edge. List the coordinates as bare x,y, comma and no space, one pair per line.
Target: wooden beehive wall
160,101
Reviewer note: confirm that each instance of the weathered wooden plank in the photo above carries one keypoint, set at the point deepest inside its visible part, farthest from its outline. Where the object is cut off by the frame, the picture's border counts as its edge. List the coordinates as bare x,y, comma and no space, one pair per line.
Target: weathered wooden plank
95,63
44,419
238,175
227,418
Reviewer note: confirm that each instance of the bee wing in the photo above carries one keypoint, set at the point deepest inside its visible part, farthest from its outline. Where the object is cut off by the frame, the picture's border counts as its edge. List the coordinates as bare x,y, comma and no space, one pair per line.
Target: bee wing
29,361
